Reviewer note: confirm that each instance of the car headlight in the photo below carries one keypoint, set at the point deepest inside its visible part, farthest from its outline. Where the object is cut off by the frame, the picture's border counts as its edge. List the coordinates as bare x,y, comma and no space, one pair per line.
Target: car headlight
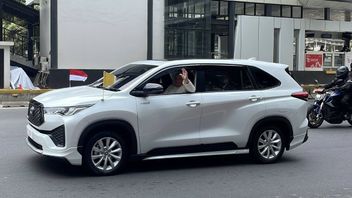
65,111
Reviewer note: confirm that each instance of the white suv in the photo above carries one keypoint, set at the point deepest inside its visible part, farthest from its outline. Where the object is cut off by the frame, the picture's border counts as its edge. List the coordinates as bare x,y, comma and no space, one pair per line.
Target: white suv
235,107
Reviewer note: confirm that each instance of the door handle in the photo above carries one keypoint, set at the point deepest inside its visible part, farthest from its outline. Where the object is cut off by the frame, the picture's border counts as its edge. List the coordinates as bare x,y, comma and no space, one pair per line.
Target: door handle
193,104
254,98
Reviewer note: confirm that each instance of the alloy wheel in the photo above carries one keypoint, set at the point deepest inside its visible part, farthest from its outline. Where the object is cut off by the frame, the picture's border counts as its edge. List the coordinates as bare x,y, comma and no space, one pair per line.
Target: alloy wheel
269,144
106,154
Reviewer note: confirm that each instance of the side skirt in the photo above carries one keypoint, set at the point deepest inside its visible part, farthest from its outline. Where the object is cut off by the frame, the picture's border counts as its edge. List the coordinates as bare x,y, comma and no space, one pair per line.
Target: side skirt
200,154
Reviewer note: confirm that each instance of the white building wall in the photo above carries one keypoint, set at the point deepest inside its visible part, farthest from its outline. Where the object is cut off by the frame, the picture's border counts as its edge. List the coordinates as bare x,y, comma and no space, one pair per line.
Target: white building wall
286,41
101,34
158,29
266,38
255,37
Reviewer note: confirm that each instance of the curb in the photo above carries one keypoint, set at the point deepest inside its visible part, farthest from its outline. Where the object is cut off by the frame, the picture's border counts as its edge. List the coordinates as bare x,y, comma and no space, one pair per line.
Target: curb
24,91
14,104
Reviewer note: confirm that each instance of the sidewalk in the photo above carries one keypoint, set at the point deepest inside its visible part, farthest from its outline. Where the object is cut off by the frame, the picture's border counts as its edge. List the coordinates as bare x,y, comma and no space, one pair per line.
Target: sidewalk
18,98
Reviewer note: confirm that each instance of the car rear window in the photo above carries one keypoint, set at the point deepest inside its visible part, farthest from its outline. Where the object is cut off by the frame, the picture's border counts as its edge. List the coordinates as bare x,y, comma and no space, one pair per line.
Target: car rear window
263,79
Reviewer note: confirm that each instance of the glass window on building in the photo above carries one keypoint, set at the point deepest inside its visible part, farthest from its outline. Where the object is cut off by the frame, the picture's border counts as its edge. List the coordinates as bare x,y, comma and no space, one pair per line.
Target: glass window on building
296,12
224,8
313,13
215,8
273,10
191,36
260,9
286,11
337,15
199,10
249,8
219,10
239,8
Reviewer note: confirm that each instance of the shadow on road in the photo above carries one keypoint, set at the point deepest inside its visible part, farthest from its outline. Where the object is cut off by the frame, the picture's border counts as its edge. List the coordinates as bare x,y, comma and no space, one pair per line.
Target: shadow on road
60,167
328,127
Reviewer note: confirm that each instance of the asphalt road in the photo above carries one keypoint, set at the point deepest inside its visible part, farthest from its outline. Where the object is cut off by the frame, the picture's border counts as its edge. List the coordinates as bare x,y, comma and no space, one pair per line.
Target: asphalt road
320,168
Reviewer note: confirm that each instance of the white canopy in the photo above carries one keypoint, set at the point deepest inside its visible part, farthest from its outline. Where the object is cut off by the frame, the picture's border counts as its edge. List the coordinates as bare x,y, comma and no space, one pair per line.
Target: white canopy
19,79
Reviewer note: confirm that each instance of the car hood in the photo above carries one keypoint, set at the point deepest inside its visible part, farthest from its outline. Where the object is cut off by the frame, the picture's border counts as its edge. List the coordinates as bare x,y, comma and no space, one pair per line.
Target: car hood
73,96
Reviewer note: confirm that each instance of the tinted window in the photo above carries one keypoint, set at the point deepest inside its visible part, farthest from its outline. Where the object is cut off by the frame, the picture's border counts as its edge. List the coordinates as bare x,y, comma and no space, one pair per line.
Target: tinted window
125,75
259,9
263,79
296,12
273,10
239,8
168,77
226,78
249,8
286,11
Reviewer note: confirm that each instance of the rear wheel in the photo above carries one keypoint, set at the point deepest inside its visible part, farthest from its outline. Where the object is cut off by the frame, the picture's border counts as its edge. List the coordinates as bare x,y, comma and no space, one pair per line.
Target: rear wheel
314,120
268,145
105,153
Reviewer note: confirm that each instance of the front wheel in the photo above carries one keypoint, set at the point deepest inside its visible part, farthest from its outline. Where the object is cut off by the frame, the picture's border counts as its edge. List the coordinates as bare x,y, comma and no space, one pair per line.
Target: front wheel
349,120
314,120
268,145
105,153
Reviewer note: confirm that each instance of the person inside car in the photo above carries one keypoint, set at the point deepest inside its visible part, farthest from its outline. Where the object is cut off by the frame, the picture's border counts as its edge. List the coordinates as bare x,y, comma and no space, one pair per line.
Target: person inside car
181,84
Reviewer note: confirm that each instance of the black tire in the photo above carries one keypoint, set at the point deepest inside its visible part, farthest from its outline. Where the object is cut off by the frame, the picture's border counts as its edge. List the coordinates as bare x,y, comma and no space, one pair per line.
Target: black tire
256,151
88,154
313,123
350,120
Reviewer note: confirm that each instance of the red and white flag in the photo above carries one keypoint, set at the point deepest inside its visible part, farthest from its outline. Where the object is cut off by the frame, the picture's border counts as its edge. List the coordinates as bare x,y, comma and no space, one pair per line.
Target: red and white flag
78,75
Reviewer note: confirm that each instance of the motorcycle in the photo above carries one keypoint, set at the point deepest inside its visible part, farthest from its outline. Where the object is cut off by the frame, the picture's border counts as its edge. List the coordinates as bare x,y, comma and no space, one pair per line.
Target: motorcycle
327,107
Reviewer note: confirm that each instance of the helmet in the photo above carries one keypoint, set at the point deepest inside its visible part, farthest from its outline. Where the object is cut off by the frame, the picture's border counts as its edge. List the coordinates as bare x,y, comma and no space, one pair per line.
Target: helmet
342,72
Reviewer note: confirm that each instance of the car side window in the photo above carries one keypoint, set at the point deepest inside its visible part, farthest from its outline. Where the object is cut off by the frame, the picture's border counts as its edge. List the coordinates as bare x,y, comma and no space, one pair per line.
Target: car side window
172,80
226,78
263,79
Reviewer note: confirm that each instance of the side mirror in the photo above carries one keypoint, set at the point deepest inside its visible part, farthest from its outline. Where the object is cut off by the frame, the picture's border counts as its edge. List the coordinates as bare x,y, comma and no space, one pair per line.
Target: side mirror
148,89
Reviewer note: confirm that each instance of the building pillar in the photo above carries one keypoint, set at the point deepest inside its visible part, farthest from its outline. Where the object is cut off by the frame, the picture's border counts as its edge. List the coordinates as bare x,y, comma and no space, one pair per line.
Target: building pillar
231,44
30,41
150,31
301,49
207,39
5,64
1,24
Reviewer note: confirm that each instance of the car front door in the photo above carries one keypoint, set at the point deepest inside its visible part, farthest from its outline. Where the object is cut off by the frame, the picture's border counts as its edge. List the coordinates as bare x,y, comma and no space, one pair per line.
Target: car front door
169,120
229,105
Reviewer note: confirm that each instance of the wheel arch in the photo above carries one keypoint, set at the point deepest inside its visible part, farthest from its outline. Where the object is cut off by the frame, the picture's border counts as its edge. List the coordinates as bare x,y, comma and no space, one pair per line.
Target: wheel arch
120,127
279,121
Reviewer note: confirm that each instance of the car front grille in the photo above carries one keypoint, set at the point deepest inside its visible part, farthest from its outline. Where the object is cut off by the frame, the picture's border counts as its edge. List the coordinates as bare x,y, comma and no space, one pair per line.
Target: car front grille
36,113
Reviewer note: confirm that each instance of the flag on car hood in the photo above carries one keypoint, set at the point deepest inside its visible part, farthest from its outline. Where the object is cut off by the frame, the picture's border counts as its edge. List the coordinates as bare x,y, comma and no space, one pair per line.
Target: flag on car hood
78,75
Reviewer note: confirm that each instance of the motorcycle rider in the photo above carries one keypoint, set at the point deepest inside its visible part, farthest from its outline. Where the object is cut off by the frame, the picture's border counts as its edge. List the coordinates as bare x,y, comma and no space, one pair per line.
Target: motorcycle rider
346,100
344,84
340,79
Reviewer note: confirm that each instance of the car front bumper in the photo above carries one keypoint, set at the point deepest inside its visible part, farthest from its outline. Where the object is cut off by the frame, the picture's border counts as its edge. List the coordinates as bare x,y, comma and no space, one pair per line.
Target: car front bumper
43,144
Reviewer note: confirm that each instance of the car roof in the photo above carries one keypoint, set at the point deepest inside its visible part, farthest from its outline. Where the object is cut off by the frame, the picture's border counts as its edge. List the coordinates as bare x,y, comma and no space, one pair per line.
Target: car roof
249,62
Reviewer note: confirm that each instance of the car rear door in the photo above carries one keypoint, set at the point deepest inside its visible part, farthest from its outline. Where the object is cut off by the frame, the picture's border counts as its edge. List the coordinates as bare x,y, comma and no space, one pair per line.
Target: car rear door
230,103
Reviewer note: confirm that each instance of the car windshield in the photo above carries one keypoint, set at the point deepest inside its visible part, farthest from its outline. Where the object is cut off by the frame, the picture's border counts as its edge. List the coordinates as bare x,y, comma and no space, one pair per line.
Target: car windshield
124,75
